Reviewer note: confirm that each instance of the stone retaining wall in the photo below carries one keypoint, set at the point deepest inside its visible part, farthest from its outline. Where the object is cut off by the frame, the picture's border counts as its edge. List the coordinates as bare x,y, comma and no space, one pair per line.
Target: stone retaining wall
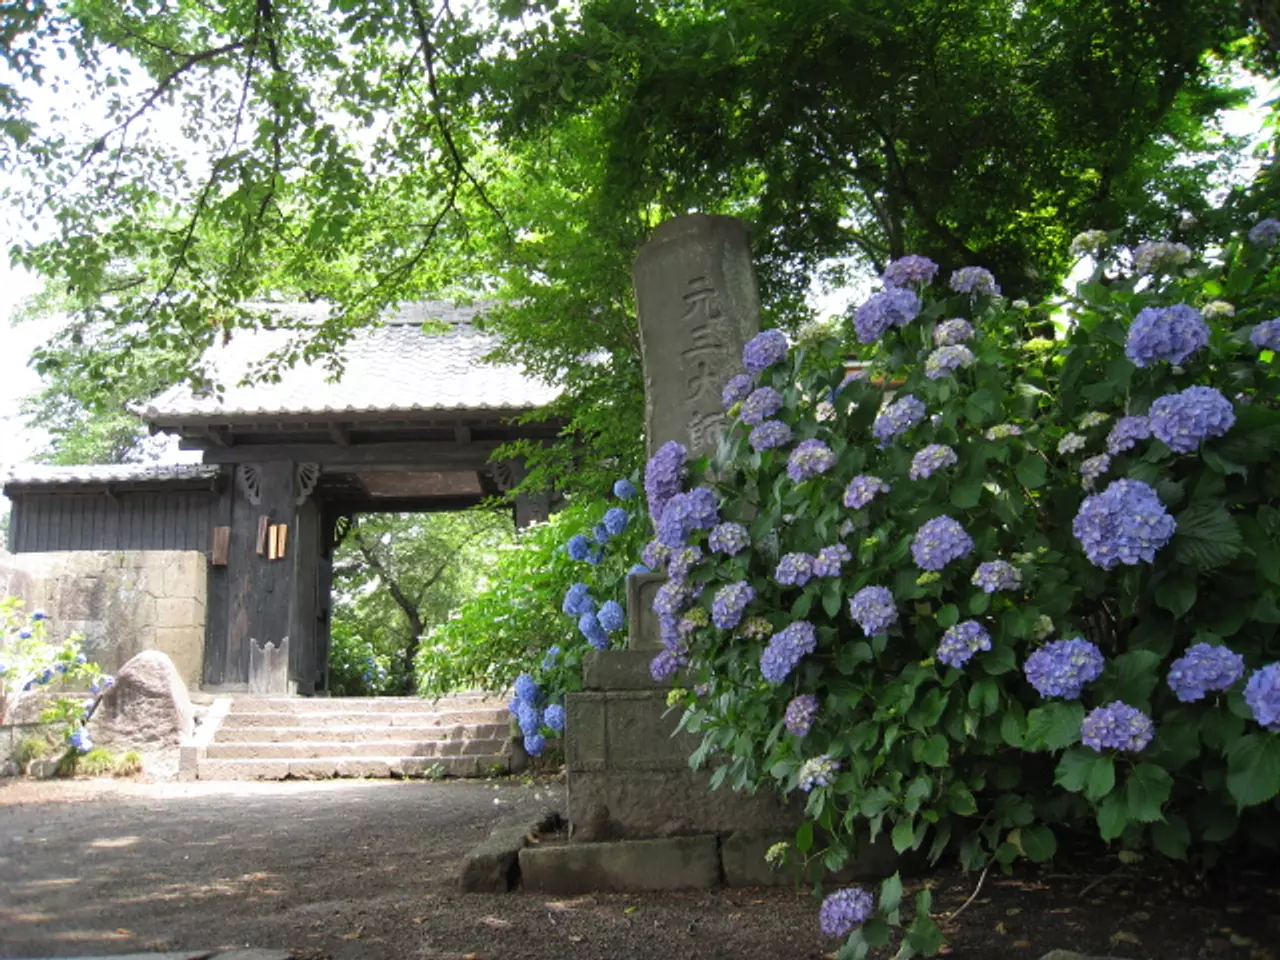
123,602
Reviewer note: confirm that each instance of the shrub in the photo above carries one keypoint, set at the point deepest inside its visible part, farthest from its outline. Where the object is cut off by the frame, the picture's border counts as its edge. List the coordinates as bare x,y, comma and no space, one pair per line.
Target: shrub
1000,582
356,667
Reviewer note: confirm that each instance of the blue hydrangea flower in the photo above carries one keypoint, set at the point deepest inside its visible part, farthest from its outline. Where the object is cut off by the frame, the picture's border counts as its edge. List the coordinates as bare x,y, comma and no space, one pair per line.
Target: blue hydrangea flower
794,570
665,664
611,616
960,642
787,648
1265,232
687,512
80,741
637,568
770,434
729,539
534,744
551,657
46,677
615,520
663,475
945,361
737,389
830,559
1092,468
578,600
1126,523
896,306
1266,335
1117,726
896,418
910,269
997,575
580,547
655,554
590,627
39,615
24,634
528,717
1126,433
624,489
526,688
938,542
730,602
844,911
1262,694
862,490
1202,669
801,712
929,459
873,609
1062,668
1166,333
818,772
1185,419
808,459
81,658
760,406
949,333
763,351
601,534
976,281
670,599
4,668
553,717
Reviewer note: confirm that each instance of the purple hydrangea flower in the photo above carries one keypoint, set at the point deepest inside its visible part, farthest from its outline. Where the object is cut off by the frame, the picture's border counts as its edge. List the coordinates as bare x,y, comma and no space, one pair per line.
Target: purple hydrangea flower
590,627
770,434
894,307
949,333
670,598
1186,419
945,361
1062,668
729,539
794,570
862,490
873,609
1127,432
682,562
961,642
896,418
611,616
931,458
1204,668
910,269
663,476
997,575
808,459
1166,333
1117,726
1262,694
624,489
553,717
976,281
938,542
830,559
763,351
1265,232
818,772
664,666
729,604
1093,468
787,648
844,911
1126,523
80,741
801,712
534,744
578,600
615,520
737,389
669,632
760,406
1266,335
687,512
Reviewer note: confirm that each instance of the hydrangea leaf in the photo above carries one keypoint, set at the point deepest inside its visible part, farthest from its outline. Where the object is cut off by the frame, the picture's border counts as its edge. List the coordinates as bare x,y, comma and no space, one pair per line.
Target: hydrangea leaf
1171,837
1253,769
1053,726
1032,471
1207,536
903,836
1146,792
1113,817
1177,594
891,894
1132,676
924,936
855,948
933,751
804,837
1036,842
967,493
1013,725
961,800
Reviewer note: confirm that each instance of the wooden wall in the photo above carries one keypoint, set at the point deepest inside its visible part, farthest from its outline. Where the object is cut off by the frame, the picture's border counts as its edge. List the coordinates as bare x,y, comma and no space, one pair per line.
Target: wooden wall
141,520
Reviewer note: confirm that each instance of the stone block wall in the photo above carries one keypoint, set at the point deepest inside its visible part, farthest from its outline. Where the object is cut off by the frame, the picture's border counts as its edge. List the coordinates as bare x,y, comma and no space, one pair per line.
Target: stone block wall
123,602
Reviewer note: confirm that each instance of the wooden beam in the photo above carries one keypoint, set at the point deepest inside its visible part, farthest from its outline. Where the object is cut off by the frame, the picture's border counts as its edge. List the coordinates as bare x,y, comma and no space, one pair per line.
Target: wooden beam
340,434
331,457
462,433
221,437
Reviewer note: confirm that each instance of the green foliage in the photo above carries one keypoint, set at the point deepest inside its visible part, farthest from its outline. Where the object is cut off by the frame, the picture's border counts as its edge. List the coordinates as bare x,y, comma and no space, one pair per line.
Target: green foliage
129,764
973,758
98,762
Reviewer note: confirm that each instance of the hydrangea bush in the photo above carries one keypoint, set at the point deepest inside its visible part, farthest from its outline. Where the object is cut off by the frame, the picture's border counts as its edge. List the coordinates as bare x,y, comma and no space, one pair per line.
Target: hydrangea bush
1056,565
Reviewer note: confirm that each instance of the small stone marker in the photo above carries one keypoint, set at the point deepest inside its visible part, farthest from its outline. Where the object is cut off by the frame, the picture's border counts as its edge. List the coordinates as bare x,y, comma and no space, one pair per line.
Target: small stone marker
698,303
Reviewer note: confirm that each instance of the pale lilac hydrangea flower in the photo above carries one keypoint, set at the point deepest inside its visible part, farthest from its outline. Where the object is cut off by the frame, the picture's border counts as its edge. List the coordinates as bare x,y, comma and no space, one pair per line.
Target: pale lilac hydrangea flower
770,434
1262,694
945,361
1186,419
801,712
1090,241
997,575
760,406
873,609
1062,668
976,281
1003,431
896,418
1126,523
681,563
894,307
844,911
787,648
670,598
862,490
1093,468
737,389
910,269
960,642
756,628
729,604
808,459
1126,433
1202,669
930,459
665,665
1166,333
830,559
663,477
729,539
1265,232
1117,726
1266,335
818,772
794,570
952,332
1071,443
1159,254
1094,418
763,351
1217,308
938,542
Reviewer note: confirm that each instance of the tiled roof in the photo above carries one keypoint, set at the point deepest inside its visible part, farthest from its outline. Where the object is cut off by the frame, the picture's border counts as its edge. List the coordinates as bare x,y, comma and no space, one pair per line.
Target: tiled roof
390,368
38,475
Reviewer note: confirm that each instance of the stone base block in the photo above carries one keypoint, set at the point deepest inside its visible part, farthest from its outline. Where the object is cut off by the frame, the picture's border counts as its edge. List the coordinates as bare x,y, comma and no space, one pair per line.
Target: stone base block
642,626
675,863
624,730
619,670
742,855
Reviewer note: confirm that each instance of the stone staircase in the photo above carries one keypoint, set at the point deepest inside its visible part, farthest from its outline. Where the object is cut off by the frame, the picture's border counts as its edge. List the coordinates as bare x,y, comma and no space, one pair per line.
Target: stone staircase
274,738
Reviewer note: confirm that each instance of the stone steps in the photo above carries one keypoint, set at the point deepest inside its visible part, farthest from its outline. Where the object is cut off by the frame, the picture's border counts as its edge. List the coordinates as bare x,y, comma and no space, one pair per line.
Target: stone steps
361,732
321,768
450,718
376,748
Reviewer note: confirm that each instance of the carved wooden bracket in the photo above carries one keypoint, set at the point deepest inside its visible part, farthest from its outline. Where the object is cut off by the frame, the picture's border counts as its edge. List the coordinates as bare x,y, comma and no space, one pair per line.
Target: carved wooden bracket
250,479
308,477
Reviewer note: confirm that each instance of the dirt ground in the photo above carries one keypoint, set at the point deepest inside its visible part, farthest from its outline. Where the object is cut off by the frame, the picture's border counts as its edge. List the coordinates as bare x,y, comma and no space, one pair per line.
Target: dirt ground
366,869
